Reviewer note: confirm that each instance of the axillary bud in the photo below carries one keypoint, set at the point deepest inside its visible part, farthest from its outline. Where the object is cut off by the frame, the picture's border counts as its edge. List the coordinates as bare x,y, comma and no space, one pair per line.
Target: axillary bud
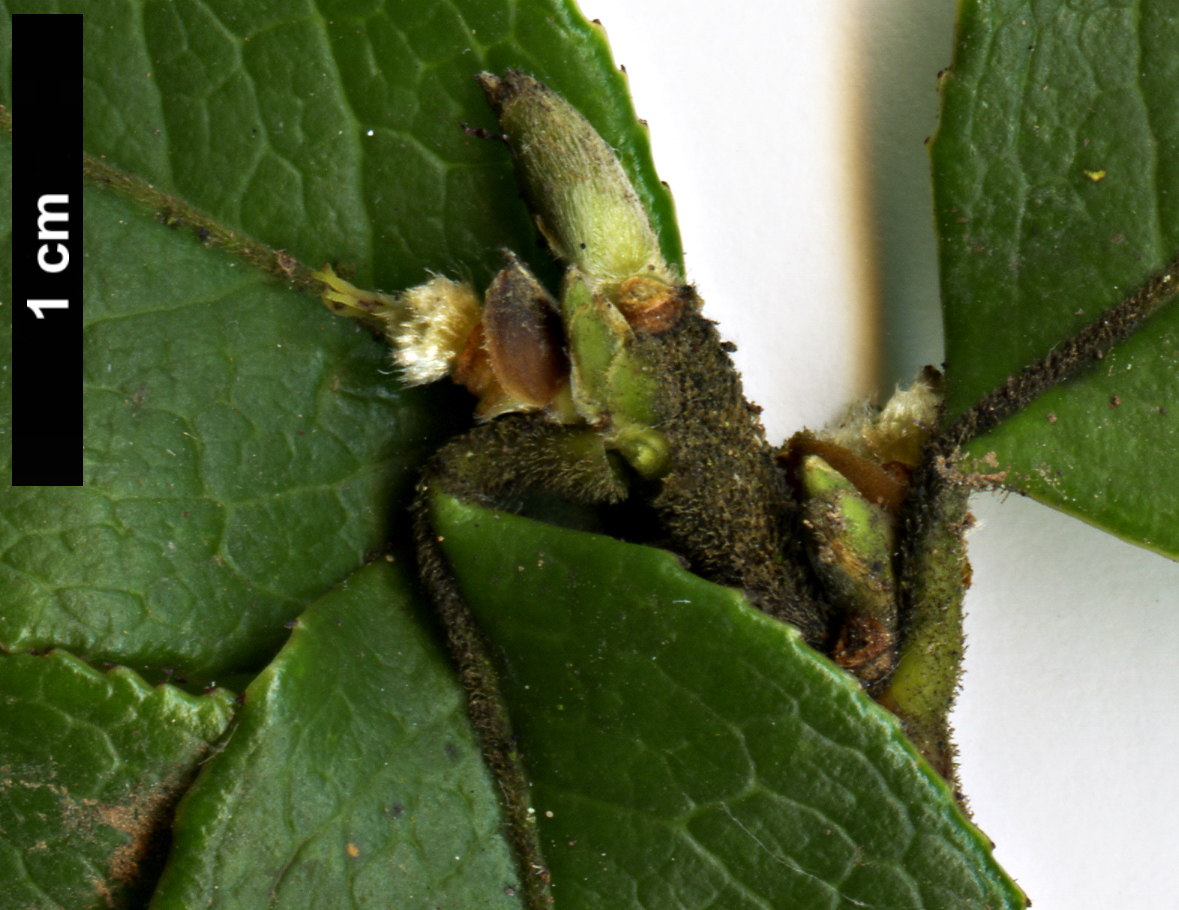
515,360
851,542
584,203
612,387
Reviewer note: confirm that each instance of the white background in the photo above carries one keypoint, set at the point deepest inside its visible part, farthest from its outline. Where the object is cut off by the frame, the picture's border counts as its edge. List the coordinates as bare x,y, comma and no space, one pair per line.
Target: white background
792,135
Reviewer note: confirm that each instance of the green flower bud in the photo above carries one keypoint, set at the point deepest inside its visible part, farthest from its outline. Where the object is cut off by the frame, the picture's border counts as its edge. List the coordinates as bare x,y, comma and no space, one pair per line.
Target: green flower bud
584,204
612,387
851,543
646,450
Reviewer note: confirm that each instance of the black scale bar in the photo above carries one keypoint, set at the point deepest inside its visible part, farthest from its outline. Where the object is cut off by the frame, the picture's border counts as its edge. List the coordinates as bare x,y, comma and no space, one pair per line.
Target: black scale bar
46,305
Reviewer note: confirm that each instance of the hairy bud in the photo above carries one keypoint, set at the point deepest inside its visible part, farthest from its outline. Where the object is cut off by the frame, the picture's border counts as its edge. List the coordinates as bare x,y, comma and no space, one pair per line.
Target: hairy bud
584,204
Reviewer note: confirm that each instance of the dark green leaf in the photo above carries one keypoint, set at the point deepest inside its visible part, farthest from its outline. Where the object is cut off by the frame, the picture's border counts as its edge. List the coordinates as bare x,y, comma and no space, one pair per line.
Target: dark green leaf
687,750
335,132
352,779
242,448
1103,449
1056,170
91,766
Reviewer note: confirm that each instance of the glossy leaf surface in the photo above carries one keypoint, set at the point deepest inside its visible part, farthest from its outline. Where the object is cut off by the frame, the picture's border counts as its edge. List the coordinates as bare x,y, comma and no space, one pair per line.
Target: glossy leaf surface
1056,169
245,448
686,750
352,778
91,766
243,451
335,131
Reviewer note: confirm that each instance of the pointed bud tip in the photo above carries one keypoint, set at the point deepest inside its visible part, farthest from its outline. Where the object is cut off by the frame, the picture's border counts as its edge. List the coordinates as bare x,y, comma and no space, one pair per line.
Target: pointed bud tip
501,90
583,202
